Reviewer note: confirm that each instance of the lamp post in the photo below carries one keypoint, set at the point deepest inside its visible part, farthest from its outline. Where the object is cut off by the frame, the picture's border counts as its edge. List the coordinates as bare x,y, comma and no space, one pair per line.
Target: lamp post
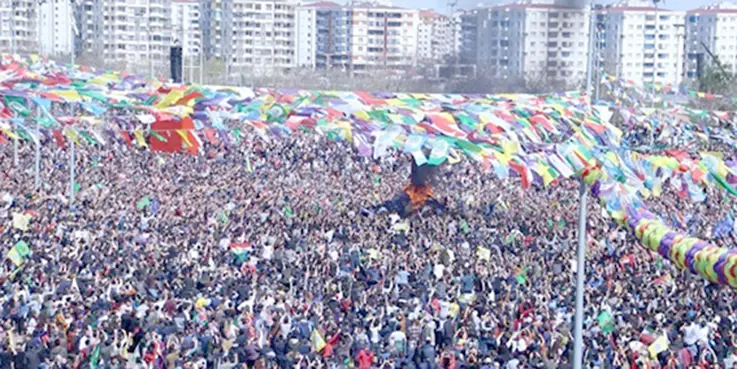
581,249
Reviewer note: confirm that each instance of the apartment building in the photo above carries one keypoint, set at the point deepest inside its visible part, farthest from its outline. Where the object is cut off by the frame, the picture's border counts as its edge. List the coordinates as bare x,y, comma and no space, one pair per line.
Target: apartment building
18,28
383,37
712,27
55,27
642,43
532,40
251,36
436,34
186,29
324,35
359,37
305,37
135,35
467,35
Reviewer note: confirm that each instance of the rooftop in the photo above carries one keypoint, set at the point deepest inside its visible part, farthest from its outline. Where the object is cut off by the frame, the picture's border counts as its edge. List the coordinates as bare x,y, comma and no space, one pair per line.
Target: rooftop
634,6
724,7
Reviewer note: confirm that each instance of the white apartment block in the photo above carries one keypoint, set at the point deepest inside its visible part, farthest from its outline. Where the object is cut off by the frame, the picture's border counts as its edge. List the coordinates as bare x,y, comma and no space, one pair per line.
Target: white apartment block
251,36
305,28
383,37
324,35
716,27
133,34
642,43
436,37
55,27
533,40
359,37
18,28
186,26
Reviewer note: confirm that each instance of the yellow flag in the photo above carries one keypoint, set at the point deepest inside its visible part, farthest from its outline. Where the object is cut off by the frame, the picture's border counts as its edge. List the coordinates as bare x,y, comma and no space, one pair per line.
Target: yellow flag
170,99
661,344
15,257
72,135
183,134
483,253
318,343
68,95
21,220
10,134
140,140
510,147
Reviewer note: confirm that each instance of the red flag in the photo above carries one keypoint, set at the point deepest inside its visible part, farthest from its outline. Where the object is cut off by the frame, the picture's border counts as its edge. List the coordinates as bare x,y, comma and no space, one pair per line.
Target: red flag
210,134
523,173
59,137
127,137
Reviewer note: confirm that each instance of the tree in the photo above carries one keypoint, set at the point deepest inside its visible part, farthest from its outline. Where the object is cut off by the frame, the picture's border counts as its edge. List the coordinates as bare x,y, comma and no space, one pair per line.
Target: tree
713,80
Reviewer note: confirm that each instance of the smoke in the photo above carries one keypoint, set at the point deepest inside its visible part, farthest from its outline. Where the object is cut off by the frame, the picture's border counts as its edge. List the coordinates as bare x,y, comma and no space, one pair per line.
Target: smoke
423,174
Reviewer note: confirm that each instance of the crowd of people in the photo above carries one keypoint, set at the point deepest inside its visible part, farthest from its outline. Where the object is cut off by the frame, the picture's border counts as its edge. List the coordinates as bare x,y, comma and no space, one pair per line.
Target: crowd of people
287,254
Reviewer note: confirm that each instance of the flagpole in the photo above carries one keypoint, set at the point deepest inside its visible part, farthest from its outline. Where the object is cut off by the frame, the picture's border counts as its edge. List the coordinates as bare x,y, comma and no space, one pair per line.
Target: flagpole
580,278
581,250
15,152
72,164
37,183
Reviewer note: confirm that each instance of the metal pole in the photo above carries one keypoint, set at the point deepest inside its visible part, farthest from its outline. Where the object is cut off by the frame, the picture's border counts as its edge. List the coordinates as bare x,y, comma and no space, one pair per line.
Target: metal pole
37,183
72,164
148,40
15,152
597,85
589,70
580,278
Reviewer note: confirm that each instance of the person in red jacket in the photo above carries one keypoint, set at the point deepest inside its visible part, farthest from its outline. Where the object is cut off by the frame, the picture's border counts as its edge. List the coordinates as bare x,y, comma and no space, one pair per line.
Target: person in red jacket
365,359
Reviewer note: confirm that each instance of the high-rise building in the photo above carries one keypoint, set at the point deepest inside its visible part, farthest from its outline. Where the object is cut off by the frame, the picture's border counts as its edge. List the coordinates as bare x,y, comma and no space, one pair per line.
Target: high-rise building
324,35
18,29
712,28
642,43
250,36
383,37
55,27
531,40
186,29
466,36
133,35
435,37
358,37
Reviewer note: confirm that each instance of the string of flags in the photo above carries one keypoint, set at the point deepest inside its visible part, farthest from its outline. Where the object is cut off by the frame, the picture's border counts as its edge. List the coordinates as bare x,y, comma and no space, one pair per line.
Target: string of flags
541,139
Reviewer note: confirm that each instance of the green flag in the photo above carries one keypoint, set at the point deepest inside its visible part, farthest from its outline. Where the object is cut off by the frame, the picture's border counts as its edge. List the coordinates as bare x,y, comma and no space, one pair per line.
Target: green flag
142,203
606,322
464,227
159,136
95,357
288,212
22,248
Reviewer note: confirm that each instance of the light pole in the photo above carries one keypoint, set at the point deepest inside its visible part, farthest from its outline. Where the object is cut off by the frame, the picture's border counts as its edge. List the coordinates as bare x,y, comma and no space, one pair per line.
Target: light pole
12,51
581,249
72,162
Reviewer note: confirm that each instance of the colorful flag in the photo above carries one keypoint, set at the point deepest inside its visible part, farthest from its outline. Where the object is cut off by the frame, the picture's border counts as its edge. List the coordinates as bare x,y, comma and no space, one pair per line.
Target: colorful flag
606,323
143,203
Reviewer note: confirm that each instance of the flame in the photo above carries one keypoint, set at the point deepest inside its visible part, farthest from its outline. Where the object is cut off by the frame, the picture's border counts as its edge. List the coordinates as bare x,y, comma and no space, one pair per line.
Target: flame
418,194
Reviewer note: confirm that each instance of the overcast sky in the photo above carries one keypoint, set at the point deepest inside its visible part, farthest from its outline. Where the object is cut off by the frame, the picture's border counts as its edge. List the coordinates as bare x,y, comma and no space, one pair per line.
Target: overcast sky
441,5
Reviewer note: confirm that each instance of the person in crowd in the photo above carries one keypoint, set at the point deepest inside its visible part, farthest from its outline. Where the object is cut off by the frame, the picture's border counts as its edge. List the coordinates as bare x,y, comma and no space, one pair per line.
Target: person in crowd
277,254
